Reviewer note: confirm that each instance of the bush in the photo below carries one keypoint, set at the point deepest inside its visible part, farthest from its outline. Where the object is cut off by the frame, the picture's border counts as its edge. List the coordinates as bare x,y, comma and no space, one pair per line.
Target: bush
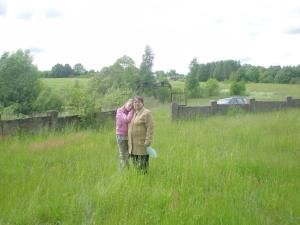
212,88
47,100
192,86
163,94
116,97
237,88
19,80
83,101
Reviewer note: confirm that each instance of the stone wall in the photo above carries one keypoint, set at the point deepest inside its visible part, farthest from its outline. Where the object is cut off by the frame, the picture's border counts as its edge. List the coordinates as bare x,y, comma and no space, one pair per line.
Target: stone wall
51,121
185,112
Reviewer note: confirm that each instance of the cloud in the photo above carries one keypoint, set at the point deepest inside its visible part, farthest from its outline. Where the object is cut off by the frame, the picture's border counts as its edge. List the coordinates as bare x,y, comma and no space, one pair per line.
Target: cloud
53,13
25,15
293,30
2,8
36,50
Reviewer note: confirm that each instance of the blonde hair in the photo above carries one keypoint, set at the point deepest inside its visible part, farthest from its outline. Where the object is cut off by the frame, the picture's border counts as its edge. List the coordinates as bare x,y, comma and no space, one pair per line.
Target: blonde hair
129,101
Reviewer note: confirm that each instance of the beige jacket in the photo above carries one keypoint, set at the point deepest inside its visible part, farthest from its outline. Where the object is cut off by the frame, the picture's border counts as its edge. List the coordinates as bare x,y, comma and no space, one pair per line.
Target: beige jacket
140,132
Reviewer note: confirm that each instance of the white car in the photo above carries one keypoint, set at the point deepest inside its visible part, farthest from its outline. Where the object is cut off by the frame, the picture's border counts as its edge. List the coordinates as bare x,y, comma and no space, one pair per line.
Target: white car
233,100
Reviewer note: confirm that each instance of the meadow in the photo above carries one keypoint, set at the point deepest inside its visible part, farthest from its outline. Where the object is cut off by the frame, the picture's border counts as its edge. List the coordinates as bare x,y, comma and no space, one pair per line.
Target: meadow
236,169
59,84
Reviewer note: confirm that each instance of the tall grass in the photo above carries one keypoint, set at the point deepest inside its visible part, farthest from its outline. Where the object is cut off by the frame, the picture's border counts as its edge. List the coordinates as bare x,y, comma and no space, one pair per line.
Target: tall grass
236,169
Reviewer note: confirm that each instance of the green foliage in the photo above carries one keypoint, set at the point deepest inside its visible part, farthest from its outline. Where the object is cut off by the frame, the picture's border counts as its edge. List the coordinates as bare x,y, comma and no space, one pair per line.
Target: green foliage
219,70
146,79
237,88
192,86
60,70
48,100
212,88
83,101
286,74
19,81
114,98
78,69
163,94
122,74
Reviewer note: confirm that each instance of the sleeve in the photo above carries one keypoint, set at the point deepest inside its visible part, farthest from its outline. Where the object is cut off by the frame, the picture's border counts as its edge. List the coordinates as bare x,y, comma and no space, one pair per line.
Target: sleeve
123,117
149,128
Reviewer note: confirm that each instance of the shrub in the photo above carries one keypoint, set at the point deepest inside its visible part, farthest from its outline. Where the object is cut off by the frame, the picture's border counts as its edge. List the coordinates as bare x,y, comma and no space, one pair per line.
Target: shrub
19,81
116,97
212,88
48,100
237,88
163,94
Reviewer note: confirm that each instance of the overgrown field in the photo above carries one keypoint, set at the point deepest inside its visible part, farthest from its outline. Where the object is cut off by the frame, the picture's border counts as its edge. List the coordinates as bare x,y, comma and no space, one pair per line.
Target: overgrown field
236,169
60,84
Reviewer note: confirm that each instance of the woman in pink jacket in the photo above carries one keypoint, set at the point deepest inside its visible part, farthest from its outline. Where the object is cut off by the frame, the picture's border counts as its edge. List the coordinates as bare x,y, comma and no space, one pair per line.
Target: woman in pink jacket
123,117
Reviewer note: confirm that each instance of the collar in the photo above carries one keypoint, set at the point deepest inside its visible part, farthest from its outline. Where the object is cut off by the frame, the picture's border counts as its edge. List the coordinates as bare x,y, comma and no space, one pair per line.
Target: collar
140,111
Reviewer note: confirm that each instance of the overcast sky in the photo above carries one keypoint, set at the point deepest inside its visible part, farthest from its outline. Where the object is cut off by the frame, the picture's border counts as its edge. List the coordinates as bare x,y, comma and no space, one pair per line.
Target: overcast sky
97,32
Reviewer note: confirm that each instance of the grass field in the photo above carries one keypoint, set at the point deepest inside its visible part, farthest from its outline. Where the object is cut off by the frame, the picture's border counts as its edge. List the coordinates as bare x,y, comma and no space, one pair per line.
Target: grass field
259,91
60,84
239,169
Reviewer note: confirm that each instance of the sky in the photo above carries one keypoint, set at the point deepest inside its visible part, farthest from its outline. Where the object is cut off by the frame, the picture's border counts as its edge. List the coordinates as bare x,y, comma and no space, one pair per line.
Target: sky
96,33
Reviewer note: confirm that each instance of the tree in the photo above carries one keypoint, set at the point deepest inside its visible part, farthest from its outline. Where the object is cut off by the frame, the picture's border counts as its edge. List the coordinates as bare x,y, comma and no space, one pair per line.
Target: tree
57,70
192,83
78,69
67,72
122,74
252,73
147,79
19,81
203,72
194,68
60,70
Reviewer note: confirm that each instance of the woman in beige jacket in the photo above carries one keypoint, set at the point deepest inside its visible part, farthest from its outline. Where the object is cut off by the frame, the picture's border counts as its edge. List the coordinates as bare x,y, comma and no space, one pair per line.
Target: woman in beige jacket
140,132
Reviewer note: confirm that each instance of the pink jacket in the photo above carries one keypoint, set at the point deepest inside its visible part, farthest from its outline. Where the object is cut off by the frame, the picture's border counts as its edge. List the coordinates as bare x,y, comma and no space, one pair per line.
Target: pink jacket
122,119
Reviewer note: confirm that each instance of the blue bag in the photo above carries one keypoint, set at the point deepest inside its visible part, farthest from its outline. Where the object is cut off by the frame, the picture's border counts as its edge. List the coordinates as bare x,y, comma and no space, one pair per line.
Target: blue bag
151,152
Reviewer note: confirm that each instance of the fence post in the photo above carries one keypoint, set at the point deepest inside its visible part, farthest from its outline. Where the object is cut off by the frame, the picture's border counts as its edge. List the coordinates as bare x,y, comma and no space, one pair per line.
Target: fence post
252,104
214,106
174,110
1,126
289,101
52,114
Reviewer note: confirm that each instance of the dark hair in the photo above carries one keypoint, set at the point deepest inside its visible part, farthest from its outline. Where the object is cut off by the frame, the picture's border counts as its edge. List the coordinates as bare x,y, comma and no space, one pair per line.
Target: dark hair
139,98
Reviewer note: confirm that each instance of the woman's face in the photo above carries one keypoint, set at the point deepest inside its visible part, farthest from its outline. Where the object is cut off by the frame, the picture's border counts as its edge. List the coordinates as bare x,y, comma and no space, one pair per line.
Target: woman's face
137,104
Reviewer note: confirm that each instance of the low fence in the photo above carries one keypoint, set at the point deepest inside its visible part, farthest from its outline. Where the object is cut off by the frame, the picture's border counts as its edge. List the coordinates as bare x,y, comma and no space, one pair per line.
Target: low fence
184,112
49,122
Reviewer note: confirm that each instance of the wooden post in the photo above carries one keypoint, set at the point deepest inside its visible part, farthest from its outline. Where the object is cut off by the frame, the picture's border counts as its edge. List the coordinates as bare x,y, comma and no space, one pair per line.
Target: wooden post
214,106
174,111
289,101
53,119
252,104
1,126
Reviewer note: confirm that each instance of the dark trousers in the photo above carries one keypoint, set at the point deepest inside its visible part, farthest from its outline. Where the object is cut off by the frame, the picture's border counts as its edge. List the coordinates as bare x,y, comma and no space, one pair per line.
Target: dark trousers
140,162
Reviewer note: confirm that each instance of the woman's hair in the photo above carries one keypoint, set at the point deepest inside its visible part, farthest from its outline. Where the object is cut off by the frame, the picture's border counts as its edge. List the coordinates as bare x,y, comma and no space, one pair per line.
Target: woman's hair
138,98
129,101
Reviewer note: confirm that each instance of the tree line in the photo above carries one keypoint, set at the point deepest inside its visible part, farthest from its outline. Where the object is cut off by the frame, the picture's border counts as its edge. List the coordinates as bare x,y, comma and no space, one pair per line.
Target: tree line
22,91
233,70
